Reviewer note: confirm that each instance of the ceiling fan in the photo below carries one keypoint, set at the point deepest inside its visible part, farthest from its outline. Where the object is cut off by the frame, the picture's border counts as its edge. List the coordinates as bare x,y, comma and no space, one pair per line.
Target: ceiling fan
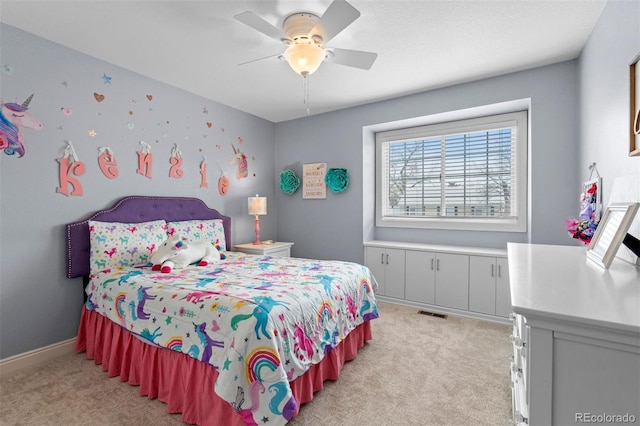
306,36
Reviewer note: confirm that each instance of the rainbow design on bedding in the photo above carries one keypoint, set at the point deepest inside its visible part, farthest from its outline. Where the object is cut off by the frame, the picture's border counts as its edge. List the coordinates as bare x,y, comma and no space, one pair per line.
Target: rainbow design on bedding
261,321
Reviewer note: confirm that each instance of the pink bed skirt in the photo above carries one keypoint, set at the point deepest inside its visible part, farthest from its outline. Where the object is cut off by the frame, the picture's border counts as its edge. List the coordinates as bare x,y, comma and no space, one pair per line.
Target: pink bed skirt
184,383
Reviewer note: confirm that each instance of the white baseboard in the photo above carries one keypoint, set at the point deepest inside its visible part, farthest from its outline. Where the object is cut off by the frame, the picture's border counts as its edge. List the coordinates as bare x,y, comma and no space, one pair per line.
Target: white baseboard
36,357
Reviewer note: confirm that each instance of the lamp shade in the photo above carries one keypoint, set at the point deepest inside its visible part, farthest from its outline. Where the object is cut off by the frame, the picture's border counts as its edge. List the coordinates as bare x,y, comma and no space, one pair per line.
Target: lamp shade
257,205
304,58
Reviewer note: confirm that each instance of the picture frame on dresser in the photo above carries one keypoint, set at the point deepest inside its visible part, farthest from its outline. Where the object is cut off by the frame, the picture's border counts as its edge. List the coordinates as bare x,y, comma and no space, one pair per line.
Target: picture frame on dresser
634,107
610,233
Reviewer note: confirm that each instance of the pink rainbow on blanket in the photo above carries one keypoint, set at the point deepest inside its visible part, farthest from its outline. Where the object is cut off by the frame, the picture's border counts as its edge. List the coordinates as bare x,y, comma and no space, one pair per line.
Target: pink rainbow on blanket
325,311
258,359
120,298
174,343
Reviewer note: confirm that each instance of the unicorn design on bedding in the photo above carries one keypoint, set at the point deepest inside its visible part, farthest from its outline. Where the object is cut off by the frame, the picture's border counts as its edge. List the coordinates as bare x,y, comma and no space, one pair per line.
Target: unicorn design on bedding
258,336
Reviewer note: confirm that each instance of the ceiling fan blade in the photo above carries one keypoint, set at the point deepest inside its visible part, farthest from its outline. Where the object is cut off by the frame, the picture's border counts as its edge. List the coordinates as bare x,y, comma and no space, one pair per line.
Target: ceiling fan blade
260,59
338,16
259,24
353,58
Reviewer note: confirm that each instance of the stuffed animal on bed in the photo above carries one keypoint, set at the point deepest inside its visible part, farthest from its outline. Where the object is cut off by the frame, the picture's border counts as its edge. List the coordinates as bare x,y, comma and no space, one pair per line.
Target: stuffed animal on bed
176,253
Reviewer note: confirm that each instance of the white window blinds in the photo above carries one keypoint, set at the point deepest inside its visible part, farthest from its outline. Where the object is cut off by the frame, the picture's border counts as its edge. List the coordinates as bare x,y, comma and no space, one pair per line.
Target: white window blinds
467,170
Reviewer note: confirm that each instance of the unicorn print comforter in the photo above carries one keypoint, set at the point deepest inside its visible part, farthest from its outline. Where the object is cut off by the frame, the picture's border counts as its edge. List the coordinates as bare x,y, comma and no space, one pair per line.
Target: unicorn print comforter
260,321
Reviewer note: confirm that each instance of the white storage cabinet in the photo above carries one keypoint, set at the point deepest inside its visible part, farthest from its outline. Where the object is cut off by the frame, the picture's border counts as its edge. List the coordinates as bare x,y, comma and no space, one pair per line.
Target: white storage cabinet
388,266
489,285
443,279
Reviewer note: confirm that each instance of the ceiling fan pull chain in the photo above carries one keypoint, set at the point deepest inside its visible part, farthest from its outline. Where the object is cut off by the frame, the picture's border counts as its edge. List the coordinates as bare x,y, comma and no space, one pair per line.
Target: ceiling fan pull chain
305,83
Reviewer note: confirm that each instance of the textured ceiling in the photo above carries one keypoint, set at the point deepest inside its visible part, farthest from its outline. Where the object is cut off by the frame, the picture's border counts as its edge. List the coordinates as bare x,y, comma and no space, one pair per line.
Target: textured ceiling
421,45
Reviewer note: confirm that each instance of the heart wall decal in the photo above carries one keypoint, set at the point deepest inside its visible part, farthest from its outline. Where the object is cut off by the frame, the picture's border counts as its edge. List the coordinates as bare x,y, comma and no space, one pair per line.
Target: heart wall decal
98,97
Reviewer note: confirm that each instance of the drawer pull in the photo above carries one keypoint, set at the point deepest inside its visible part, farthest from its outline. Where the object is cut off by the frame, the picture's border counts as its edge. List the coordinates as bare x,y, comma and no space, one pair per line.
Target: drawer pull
517,342
520,419
516,370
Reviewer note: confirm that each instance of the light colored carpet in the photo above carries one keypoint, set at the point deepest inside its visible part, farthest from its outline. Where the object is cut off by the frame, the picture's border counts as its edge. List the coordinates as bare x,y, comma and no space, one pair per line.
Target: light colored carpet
417,370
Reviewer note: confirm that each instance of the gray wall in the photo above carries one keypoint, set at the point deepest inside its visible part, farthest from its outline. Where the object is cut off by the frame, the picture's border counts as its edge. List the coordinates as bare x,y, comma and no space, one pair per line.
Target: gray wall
604,93
336,227
38,304
578,116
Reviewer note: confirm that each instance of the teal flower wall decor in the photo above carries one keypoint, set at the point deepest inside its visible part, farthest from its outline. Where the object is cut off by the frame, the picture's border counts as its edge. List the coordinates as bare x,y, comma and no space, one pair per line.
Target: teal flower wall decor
337,180
289,181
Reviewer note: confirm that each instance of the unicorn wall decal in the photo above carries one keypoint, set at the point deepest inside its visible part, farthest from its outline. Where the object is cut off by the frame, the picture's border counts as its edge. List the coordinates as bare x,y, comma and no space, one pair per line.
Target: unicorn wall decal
241,160
12,117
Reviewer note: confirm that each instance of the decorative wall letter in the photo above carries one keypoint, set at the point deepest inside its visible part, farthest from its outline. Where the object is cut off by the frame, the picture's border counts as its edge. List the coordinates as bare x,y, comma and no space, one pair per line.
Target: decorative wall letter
176,163
223,185
69,164
203,173
107,162
145,160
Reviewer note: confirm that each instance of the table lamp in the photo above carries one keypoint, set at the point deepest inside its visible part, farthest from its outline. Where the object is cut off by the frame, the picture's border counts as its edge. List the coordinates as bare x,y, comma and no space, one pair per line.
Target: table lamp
257,207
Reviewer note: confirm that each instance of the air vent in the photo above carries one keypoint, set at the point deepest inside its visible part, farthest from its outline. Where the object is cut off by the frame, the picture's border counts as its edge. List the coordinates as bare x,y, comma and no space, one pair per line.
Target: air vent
432,314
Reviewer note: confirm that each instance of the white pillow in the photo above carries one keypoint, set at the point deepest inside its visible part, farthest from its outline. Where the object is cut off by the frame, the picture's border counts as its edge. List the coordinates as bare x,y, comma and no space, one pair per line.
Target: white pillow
199,230
117,245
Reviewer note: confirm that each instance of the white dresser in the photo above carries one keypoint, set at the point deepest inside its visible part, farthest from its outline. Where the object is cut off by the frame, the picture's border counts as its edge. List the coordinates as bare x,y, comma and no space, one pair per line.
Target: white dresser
576,338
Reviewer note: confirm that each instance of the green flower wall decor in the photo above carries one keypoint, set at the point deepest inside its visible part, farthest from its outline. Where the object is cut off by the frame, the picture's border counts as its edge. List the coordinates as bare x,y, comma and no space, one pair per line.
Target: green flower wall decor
337,180
289,181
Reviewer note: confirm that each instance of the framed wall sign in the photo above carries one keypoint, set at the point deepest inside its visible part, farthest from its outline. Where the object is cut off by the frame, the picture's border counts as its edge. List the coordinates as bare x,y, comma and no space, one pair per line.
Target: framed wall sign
611,231
634,107
313,183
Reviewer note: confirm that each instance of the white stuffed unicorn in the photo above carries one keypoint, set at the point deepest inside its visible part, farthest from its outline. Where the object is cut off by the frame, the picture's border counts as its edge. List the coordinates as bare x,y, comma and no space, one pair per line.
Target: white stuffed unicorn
176,253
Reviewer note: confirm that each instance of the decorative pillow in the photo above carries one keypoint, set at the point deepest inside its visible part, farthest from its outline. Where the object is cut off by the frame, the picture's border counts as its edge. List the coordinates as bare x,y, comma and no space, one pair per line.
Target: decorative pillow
199,230
115,244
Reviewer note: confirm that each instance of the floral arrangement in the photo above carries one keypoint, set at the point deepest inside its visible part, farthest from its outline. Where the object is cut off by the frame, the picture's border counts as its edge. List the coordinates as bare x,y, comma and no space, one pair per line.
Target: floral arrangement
289,181
583,228
337,179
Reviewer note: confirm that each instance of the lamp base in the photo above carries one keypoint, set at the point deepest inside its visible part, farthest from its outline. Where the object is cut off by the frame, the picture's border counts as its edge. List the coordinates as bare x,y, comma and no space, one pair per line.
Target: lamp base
257,241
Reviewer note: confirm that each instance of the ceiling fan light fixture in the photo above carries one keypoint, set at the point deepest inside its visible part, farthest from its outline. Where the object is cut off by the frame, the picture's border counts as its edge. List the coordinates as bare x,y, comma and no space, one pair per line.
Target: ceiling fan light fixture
304,58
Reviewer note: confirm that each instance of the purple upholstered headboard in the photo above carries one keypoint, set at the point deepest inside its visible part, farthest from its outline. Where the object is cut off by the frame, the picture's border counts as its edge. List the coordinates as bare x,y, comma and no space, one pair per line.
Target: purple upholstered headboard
135,209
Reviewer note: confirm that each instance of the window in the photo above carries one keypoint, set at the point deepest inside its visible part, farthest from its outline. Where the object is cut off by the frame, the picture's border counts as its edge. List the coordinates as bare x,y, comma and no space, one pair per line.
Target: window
466,174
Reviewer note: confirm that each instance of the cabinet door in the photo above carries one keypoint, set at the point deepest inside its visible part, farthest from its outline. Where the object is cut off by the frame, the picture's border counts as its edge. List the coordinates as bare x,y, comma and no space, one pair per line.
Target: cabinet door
503,292
482,284
420,279
452,280
374,260
395,273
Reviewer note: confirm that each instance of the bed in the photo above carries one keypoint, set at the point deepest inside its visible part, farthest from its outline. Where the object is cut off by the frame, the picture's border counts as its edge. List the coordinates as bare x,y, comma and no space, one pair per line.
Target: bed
244,340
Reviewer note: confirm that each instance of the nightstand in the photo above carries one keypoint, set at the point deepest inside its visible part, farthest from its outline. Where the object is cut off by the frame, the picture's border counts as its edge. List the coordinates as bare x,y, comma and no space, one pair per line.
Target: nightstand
277,248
